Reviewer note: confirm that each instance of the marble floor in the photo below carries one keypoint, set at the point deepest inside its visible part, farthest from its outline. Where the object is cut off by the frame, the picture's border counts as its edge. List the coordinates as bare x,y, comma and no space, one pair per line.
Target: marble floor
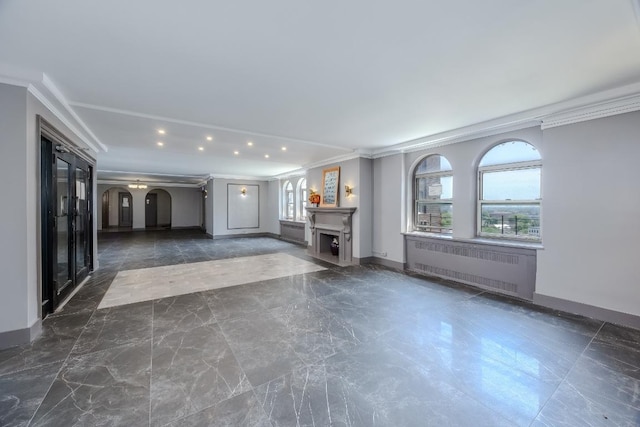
342,346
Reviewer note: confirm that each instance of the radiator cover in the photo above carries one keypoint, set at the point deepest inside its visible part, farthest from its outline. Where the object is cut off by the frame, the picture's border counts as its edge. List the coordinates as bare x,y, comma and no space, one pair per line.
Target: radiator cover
508,270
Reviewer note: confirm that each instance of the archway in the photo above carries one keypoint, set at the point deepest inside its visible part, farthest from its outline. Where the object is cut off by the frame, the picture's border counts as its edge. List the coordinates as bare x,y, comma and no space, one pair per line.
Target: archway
117,208
157,209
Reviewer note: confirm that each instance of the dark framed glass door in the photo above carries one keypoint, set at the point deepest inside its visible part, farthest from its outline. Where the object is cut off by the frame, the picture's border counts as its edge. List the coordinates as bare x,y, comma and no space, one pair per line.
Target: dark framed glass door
66,223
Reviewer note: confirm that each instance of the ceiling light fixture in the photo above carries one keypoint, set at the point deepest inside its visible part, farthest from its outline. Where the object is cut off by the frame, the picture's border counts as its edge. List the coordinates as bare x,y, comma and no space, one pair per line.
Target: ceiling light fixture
236,152
266,156
138,185
161,131
284,148
209,138
201,148
160,143
250,144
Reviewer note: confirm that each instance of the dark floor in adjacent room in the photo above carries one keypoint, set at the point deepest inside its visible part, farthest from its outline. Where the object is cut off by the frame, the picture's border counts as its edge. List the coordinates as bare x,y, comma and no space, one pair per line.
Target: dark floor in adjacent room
347,346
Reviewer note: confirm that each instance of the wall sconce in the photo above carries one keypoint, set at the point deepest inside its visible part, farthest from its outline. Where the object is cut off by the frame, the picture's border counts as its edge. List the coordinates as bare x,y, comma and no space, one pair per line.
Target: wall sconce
137,184
243,192
348,191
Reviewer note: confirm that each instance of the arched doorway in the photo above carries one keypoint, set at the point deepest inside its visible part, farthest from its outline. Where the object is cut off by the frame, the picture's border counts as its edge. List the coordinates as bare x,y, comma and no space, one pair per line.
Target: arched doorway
117,208
157,209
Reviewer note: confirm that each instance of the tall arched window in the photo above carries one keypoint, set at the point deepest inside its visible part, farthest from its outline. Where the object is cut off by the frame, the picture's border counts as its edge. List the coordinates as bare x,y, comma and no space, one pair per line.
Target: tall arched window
433,192
509,191
288,203
302,199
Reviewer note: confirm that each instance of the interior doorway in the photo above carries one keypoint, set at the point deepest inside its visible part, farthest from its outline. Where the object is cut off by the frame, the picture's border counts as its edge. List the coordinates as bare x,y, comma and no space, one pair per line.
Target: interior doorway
151,210
125,209
67,222
157,209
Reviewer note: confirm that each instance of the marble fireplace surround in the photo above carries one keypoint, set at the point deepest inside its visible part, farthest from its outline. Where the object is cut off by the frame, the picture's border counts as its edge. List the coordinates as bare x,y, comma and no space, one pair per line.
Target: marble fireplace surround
326,223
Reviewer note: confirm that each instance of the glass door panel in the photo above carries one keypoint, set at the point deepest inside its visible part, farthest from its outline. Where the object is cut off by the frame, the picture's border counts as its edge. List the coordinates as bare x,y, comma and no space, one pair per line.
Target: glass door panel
80,219
62,225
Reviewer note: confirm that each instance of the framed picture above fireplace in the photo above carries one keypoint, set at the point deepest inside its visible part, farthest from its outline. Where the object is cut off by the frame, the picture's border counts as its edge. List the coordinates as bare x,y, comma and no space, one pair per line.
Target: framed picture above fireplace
330,187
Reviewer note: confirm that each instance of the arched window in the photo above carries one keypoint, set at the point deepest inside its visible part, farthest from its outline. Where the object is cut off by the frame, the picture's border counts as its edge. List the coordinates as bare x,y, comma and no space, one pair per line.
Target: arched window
302,199
433,192
288,204
509,191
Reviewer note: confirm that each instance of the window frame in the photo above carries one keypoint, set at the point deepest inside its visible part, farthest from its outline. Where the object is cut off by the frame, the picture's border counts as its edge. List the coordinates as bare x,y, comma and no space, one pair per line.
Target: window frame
302,200
288,201
439,202
506,167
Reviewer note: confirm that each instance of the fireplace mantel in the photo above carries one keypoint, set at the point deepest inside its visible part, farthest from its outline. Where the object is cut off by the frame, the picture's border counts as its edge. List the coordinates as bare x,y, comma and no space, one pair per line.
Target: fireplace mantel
326,224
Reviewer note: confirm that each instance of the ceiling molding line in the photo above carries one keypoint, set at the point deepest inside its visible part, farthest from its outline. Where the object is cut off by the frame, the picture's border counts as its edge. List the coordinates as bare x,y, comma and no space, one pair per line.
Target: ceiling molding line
336,159
150,185
291,174
48,83
240,177
199,177
49,106
197,124
535,117
605,109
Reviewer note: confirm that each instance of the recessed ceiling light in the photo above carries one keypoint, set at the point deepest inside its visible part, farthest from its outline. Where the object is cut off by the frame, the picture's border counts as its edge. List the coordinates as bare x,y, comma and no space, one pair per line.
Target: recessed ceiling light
209,138
249,143
266,156
236,152
161,131
160,143
284,148
201,148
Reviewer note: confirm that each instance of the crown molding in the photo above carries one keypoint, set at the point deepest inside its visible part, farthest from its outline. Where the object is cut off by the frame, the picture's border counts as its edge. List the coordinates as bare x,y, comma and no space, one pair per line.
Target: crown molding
592,112
241,177
53,89
150,185
44,90
619,100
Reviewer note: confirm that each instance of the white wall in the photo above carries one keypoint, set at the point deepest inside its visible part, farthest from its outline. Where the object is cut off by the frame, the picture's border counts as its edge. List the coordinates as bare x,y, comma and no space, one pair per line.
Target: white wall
591,203
388,185
220,206
186,205
209,208
18,260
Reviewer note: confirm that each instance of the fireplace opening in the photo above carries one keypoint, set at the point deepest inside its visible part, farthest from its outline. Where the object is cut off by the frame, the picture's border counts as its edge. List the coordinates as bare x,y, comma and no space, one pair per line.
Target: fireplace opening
325,242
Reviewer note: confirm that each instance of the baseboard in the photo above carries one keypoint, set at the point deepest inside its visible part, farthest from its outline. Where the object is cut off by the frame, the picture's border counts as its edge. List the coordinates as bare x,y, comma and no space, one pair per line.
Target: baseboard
235,236
587,310
383,262
20,336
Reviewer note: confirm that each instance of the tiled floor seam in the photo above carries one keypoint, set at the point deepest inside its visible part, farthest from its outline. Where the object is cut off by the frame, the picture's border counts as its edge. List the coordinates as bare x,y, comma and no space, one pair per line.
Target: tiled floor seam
567,374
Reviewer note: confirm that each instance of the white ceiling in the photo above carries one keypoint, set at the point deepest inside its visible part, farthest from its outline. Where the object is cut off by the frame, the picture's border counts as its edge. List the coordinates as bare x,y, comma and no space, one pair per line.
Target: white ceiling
324,79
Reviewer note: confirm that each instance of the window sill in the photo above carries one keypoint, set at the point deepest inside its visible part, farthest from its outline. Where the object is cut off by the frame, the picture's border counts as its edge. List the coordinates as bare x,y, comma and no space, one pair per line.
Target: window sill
291,221
479,240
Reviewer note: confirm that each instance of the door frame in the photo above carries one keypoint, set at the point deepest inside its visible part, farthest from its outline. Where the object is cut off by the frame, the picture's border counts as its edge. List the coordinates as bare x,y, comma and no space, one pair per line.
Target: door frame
121,195
150,205
54,145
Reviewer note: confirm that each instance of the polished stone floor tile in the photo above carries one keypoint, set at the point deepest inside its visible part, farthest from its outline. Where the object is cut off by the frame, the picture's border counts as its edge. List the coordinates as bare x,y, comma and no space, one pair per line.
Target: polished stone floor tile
313,332
191,371
110,387
22,392
180,314
342,346
309,396
403,393
262,346
146,284
59,335
114,327
243,410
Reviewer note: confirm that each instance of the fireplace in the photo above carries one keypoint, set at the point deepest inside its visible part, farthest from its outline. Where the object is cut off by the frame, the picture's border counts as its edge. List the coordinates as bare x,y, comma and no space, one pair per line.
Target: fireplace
327,224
